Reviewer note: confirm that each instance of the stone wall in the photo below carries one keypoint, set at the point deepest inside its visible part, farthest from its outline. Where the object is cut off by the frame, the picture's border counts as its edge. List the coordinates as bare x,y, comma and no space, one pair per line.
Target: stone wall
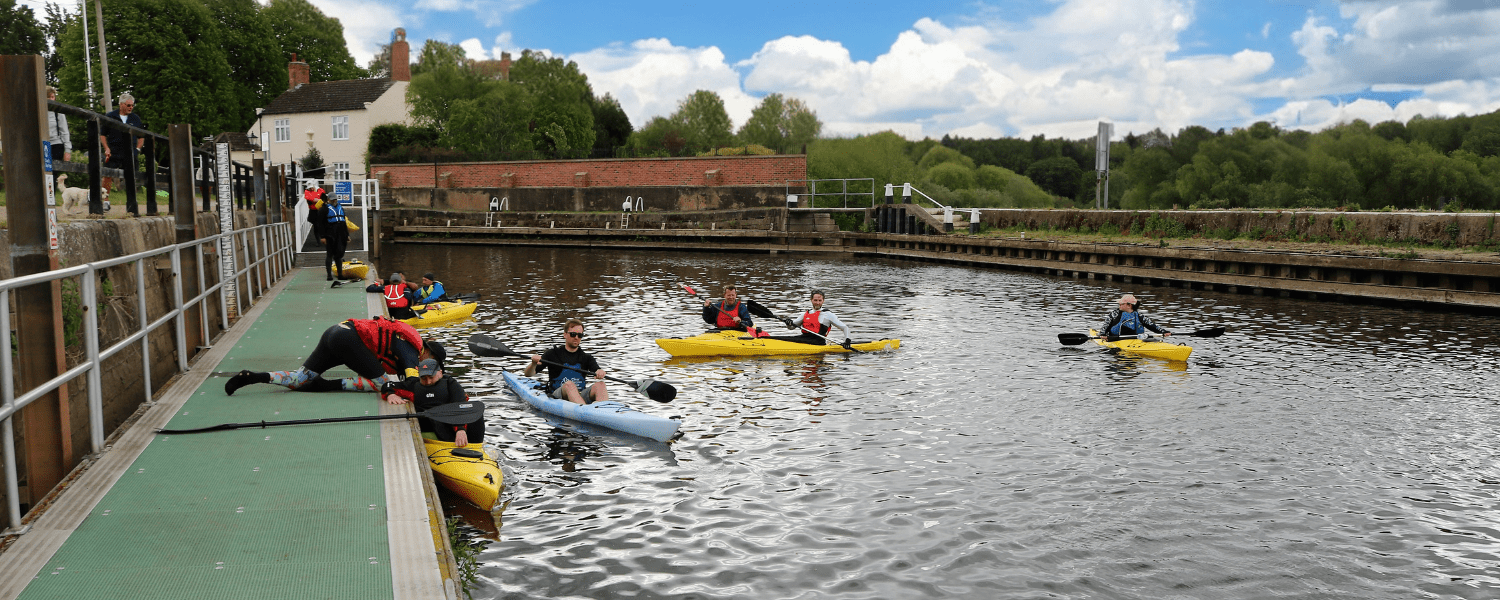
1458,229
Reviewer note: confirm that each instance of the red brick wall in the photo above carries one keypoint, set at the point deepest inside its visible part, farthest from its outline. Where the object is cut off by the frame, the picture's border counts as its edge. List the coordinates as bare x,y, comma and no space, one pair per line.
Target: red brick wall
629,172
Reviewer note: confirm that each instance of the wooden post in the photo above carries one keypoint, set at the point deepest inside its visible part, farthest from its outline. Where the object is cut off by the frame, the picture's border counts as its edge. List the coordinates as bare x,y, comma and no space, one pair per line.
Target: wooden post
181,141
33,249
260,191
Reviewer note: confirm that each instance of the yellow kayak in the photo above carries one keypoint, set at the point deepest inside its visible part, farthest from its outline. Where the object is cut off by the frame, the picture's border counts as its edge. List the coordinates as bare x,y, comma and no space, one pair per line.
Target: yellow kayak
1161,350
476,478
354,269
441,313
739,343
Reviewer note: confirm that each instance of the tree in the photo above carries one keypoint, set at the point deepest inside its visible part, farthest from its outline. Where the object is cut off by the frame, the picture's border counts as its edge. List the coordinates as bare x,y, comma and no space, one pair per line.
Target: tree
57,22
257,73
659,133
168,54
436,55
1058,175
561,96
20,33
611,125
951,175
433,94
491,125
317,39
937,155
704,122
881,156
782,124
312,161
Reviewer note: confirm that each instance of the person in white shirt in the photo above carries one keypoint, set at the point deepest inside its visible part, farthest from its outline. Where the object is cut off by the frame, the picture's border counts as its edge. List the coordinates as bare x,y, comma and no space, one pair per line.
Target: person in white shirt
815,324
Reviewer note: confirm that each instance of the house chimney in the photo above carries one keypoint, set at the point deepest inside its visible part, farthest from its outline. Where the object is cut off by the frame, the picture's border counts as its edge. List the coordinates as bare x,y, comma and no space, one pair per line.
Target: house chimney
297,73
505,65
400,57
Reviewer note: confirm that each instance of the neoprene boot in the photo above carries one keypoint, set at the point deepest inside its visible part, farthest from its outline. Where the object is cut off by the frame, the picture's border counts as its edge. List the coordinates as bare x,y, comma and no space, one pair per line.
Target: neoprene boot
244,378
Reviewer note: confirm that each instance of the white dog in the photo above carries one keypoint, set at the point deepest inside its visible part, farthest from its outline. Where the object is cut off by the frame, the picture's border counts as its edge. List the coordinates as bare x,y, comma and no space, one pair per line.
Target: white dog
74,198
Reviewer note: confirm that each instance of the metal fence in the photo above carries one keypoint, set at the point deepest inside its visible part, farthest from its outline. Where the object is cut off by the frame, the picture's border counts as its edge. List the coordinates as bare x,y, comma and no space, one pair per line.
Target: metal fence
266,253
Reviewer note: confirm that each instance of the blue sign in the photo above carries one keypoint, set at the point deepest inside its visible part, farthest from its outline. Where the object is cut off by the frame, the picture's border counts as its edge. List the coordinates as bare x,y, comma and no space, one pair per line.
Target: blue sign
344,192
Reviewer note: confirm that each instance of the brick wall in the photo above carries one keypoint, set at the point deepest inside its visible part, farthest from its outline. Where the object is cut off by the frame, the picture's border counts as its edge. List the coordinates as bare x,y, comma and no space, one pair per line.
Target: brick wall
630,172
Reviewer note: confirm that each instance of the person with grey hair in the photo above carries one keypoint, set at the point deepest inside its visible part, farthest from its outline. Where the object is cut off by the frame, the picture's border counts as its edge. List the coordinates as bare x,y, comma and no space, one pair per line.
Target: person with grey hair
57,132
399,296
1127,320
121,147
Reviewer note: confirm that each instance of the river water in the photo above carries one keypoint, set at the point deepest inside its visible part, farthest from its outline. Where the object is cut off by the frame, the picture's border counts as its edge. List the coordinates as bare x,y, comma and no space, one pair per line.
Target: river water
1318,450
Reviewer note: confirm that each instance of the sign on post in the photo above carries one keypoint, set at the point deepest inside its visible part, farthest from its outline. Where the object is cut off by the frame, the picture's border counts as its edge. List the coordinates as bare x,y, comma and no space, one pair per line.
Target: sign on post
1101,164
52,241
343,191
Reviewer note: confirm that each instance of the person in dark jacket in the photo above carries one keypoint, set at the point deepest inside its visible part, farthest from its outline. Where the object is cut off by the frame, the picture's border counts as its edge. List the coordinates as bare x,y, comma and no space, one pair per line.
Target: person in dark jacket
430,389
334,235
1125,320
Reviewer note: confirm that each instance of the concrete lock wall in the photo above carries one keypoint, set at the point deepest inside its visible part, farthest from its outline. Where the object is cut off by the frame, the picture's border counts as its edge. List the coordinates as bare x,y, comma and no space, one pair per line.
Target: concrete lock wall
1459,229
122,380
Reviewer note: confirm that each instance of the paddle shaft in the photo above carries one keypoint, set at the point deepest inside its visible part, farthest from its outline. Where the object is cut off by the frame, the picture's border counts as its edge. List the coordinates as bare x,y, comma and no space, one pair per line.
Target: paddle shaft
263,424
694,293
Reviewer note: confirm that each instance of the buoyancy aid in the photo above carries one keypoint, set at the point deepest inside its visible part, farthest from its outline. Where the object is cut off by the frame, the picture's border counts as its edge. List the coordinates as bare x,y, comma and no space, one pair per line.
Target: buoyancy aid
335,212
812,321
380,335
1129,324
727,315
395,296
312,197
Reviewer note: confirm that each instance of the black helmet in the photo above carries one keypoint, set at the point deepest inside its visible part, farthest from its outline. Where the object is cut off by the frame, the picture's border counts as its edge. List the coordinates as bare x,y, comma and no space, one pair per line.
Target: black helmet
436,350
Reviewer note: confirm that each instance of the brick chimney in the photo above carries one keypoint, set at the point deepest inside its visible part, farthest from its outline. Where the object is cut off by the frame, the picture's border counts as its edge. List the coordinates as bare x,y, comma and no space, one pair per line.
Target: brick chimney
400,57
297,73
505,65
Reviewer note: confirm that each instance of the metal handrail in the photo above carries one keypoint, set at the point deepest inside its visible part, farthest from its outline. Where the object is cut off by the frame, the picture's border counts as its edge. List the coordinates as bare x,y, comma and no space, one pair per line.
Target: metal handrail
812,187
275,259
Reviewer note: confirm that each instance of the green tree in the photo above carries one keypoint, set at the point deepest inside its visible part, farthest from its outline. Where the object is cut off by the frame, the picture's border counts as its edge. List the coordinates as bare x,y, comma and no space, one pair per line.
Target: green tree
881,156
561,96
257,72
432,95
311,161
782,124
493,125
611,125
704,122
659,134
937,155
169,55
20,33
57,22
1058,175
317,39
952,175
437,55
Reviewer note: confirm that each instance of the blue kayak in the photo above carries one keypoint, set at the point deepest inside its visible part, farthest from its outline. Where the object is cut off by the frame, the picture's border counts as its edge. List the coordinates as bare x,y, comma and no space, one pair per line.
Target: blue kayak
612,414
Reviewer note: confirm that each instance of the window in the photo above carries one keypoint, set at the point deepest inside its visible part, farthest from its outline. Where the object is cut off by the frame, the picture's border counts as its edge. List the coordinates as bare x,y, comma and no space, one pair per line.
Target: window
283,130
341,128
341,171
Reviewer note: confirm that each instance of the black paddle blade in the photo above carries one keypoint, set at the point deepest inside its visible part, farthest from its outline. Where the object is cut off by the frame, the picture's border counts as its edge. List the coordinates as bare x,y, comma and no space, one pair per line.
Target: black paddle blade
1208,333
484,345
466,297
457,413
656,390
1072,339
760,311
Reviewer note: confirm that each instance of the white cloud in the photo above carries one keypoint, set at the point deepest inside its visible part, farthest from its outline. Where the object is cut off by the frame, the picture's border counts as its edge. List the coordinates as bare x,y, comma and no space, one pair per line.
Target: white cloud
474,49
367,24
649,77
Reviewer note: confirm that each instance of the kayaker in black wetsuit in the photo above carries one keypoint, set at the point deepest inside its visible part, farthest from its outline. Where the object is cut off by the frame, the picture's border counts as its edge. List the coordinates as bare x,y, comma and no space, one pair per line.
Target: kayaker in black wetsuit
378,350
399,297
430,389
1126,321
565,384
815,324
728,313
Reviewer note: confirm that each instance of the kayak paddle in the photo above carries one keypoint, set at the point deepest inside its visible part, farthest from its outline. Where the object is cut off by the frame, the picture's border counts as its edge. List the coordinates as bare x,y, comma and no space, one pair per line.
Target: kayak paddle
1074,339
457,413
484,345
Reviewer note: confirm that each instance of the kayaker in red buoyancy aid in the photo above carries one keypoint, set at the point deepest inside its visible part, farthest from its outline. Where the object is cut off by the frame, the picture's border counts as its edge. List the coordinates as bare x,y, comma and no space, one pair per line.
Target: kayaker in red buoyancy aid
815,324
728,313
1125,320
379,350
399,297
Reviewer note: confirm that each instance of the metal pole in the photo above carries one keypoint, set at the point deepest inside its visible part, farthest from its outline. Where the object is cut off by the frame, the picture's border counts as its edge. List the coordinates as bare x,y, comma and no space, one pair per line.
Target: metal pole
88,61
7,429
33,249
96,162
103,56
91,352
143,318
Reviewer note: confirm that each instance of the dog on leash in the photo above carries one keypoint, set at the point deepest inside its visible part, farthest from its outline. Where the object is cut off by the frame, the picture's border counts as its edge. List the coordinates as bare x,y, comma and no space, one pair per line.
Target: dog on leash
74,198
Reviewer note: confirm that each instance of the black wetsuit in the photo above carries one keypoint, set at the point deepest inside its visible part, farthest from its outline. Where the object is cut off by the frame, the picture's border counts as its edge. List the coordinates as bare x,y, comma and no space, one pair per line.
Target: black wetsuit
446,391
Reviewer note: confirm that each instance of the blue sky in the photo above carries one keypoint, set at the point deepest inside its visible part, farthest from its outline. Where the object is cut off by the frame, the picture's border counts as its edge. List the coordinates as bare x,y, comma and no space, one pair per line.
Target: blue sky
995,68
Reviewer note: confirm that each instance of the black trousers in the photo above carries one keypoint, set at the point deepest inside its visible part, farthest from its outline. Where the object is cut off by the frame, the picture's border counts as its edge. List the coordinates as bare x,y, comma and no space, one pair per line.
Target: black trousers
334,258
342,346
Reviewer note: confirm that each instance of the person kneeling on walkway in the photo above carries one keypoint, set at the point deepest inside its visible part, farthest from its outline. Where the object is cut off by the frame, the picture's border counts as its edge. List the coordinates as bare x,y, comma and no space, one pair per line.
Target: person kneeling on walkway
378,350
430,389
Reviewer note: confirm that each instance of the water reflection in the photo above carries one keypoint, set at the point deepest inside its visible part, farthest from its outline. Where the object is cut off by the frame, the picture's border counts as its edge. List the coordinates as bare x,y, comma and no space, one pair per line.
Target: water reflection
1317,450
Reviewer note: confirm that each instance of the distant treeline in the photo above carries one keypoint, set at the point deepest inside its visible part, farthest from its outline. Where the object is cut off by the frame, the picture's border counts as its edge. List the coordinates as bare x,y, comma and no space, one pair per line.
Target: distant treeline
1425,163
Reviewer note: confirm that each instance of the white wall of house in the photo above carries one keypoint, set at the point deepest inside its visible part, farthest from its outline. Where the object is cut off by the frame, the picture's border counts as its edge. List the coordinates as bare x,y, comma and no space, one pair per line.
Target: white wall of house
316,129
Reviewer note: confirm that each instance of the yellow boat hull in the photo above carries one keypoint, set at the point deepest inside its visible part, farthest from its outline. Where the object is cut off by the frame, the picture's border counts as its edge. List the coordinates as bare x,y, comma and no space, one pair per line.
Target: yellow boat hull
441,313
739,343
354,269
1160,350
477,480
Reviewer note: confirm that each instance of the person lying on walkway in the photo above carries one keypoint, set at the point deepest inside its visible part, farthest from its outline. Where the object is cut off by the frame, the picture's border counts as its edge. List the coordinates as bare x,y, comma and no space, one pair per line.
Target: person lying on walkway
728,313
431,290
398,296
430,389
570,383
1125,320
815,324
378,350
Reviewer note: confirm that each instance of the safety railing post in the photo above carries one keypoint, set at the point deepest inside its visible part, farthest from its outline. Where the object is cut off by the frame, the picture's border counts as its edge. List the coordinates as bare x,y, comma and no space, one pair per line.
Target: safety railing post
143,318
7,431
91,350
180,310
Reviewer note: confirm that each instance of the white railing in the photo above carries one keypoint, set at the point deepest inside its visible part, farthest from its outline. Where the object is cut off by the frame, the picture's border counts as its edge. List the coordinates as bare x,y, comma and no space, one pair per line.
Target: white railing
271,243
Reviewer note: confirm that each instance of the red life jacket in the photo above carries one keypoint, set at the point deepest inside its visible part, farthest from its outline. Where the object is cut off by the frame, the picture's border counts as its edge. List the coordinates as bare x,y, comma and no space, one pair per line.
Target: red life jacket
380,335
810,322
312,197
727,315
395,296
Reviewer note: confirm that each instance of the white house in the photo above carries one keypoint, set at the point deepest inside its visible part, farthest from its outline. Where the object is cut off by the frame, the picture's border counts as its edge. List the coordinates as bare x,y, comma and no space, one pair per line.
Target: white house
334,116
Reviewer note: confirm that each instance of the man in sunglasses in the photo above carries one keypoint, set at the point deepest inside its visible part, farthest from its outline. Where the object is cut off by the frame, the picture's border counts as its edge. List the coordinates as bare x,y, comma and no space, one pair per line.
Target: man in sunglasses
570,383
1125,320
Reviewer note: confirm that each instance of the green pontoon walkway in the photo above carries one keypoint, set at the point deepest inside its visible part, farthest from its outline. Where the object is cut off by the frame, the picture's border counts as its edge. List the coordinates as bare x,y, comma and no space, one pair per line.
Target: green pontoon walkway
309,511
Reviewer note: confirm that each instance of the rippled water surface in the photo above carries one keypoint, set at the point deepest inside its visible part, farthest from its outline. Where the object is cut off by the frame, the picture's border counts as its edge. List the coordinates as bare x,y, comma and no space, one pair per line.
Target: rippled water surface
1319,450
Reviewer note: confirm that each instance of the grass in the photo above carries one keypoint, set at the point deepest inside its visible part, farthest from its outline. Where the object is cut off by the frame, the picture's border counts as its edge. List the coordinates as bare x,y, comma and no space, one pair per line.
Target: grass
1256,238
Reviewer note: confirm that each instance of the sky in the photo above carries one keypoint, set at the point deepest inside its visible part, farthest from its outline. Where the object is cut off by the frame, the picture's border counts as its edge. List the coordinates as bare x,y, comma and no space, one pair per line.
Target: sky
986,69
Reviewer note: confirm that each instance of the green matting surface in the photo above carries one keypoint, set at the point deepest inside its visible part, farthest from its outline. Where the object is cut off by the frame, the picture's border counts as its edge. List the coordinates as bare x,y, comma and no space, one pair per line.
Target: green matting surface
283,512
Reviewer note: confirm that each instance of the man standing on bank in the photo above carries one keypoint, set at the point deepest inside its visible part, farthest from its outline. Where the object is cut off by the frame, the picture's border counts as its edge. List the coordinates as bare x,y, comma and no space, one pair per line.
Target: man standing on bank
121,147
569,383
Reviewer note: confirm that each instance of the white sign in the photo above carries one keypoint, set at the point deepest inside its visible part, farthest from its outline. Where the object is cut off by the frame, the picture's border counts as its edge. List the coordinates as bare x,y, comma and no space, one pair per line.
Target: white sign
52,228
1101,146
226,223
